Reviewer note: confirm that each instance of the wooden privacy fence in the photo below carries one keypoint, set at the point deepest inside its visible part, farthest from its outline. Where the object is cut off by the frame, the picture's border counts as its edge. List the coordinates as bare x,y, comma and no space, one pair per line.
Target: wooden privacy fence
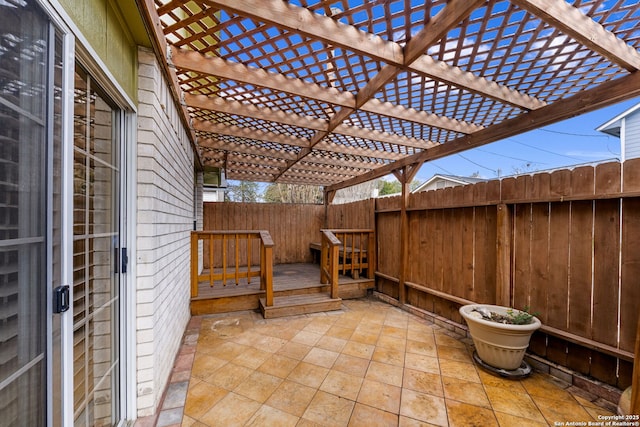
291,226
232,255
566,244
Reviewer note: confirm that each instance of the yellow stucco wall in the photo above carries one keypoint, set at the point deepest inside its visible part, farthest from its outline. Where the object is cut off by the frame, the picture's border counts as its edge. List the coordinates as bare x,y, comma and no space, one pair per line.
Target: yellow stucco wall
114,29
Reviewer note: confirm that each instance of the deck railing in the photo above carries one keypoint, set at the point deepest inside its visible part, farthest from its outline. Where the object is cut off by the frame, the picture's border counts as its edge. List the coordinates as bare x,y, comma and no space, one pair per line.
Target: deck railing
229,255
346,251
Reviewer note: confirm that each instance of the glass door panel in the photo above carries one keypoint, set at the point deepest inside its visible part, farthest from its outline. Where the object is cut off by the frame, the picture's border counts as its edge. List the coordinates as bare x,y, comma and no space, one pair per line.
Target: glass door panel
26,89
96,225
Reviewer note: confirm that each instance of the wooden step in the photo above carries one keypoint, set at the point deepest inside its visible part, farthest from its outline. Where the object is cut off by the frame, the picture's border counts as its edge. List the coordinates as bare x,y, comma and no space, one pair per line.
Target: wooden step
299,304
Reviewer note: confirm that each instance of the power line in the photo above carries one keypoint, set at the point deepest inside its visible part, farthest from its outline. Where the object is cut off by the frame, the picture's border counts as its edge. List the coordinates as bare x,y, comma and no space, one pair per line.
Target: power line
478,164
546,151
573,134
510,157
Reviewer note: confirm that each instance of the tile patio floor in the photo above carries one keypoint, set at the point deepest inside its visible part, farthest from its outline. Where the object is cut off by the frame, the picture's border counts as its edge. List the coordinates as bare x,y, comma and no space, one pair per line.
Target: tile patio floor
370,364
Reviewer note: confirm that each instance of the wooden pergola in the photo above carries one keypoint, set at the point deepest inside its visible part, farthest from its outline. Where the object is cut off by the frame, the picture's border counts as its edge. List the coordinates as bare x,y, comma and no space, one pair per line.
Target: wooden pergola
336,93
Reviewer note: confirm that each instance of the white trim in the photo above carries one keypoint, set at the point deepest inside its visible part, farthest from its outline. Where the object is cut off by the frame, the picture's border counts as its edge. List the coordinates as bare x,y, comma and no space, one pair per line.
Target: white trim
128,305
623,138
66,319
610,124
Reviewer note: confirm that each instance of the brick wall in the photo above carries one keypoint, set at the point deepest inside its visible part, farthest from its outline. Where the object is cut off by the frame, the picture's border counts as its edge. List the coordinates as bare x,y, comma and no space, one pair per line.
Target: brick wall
165,215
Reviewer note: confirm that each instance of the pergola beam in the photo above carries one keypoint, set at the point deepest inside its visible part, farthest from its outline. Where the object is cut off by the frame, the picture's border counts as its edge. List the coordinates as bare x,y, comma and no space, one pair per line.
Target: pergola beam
454,12
571,21
606,94
328,30
267,114
196,62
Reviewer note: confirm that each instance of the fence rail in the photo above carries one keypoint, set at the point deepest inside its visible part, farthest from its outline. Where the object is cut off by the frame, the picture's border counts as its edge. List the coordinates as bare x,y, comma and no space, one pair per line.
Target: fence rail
231,255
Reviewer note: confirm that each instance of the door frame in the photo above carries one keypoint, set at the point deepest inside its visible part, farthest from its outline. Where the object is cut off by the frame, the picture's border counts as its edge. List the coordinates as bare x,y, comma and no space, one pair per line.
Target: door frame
77,49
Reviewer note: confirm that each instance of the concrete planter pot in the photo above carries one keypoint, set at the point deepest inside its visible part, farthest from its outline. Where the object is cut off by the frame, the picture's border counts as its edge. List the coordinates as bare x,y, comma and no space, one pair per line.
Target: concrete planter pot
497,344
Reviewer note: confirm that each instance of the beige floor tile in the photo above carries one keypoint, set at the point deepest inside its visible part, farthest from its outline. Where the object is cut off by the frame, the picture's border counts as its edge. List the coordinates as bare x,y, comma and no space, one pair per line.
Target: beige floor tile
306,338
513,403
295,350
423,407
319,325
461,370
423,382
204,365
278,365
340,331
233,410
252,358
454,353
308,374
270,344
421,362
561,410
366,416
201,398
292,397
331,343
390,356
507,420
465,391
227,350
543,385
508,386
465,415
364,337
258,386
596,413
310,371
424,335
446,340
351,365
356,349
410,422
229,377
267,416
321,357
392,342
341,384
421,347
394,332
384,373
329,410
380,395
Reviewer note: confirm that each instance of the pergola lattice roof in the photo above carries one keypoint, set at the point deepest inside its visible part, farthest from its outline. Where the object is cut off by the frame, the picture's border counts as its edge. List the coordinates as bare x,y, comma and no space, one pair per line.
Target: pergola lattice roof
335,93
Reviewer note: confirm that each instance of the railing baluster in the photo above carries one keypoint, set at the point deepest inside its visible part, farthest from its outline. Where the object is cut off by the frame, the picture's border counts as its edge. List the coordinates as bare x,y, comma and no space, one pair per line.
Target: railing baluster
249,259
211,242
224,260
237,243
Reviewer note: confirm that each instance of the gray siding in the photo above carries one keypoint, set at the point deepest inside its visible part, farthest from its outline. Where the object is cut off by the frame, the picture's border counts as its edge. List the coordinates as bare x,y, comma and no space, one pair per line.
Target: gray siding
632,135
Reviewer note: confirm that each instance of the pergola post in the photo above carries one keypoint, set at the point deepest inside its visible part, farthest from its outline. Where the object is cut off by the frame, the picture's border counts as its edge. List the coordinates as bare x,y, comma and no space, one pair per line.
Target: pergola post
405,176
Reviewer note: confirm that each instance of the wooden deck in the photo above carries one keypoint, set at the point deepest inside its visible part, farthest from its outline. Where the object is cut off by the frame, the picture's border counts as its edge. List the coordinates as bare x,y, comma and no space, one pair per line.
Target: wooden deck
289,280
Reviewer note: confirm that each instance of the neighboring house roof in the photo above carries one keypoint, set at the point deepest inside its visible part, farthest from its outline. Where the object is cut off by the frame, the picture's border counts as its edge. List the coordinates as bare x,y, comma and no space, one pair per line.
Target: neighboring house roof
613,126
457,180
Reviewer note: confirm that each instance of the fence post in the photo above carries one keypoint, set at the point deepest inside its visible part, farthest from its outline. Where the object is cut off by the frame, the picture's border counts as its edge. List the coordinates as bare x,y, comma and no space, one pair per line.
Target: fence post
635,381
503,256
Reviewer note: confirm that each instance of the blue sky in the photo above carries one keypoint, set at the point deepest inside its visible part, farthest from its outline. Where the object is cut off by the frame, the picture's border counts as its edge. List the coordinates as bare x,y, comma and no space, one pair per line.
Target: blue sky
571,142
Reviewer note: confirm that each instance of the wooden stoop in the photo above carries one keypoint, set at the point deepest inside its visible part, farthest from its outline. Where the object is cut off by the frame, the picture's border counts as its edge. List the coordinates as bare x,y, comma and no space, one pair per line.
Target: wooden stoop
292,305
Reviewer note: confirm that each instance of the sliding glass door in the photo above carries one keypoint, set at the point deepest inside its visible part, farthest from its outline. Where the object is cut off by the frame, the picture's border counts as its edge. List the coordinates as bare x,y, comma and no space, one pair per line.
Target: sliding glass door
60,240
30,208
97,254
